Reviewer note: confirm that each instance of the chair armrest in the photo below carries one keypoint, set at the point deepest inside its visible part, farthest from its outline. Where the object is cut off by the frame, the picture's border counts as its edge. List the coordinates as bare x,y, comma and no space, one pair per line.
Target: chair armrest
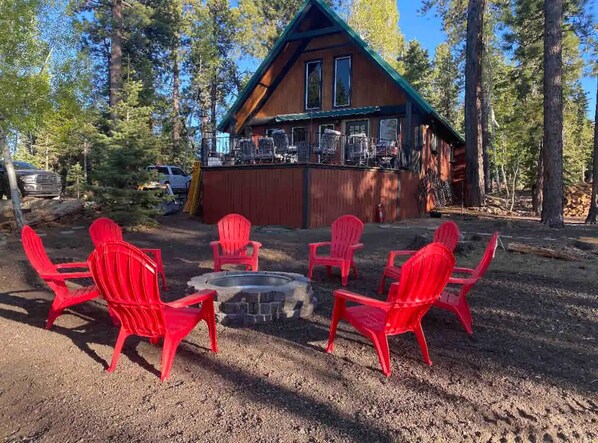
256,245
394,254
72,265
463,270
58,276
192,299
356,246
314,246
462,281
351,296
214,245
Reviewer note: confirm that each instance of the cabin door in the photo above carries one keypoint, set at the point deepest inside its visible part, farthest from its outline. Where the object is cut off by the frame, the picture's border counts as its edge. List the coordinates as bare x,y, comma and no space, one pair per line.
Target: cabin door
357,127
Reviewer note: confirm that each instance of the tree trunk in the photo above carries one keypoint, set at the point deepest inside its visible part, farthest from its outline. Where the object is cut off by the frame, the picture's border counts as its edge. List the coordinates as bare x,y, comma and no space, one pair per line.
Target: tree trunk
473,105
176,111
537,193
213,106
552,204
593,212
15,195
115,56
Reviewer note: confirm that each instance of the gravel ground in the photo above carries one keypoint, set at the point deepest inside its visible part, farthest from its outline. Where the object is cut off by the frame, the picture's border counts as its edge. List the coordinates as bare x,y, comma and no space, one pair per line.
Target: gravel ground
527,374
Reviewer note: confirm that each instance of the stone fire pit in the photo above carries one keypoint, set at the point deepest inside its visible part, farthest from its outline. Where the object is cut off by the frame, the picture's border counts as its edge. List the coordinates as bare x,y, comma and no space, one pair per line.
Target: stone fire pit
249,298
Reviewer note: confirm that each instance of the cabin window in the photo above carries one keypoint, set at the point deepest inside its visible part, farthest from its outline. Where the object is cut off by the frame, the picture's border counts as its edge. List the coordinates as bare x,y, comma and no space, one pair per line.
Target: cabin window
419,137
342,81
357,127
389,129
434,143
298,135
313,85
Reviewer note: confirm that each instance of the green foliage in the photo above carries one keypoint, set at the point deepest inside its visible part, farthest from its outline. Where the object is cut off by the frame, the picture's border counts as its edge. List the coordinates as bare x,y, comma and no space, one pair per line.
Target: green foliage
376,21
75,179
120,159
418,68
446,83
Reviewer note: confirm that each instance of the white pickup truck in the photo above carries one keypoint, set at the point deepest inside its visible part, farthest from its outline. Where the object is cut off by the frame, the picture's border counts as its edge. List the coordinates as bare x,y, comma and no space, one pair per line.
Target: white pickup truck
173,176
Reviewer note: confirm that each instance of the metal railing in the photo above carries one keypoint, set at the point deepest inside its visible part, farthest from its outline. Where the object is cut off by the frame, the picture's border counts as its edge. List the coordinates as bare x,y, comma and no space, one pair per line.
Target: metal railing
316,148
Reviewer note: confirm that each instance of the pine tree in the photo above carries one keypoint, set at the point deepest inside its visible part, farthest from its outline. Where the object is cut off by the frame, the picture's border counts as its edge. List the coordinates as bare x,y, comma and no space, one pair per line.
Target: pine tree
446,83
417,68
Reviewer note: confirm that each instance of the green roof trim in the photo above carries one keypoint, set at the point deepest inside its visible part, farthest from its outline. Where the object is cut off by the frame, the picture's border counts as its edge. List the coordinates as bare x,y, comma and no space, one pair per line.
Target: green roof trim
415,96
327,114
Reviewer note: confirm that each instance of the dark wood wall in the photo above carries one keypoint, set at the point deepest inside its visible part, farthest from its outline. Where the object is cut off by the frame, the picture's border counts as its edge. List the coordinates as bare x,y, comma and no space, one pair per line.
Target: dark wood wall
307,195
266,196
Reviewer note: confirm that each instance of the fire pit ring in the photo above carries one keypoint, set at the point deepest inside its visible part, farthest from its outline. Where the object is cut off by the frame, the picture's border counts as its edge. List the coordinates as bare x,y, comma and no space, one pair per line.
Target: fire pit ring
249,298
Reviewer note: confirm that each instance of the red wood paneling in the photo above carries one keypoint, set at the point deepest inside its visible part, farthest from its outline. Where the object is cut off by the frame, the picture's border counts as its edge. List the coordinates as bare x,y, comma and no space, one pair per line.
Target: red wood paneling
266,196
334,192
408,207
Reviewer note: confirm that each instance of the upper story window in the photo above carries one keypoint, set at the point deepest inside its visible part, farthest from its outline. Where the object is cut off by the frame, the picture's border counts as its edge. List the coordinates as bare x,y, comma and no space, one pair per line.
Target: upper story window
313,84
342,81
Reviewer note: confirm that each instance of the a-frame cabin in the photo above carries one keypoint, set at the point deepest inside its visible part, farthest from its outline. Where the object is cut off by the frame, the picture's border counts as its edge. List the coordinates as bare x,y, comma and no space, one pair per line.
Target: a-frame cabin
321,86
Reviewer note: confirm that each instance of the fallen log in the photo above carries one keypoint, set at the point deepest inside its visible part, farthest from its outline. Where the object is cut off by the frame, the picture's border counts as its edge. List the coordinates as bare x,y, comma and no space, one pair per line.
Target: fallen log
587,244
53,211
542,252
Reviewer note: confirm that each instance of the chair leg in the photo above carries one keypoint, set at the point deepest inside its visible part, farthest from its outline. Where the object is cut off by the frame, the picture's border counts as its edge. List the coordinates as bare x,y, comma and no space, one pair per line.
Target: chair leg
382,284
120,341
210,317
217,265
464,315
421,339
345,268
354,269
163,277
310,272
337,312
54,313
255,266
383,351
168,351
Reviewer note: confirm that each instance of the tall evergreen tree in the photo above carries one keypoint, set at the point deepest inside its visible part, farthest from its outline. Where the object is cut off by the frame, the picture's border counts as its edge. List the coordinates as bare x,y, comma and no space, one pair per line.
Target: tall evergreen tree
473,105
552,204
593,211
446,83
417,68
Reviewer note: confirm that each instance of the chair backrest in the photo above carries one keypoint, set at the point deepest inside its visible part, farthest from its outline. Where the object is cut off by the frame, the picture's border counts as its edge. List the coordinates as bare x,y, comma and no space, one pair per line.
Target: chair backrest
330,139
35,251
281,141
247,147
423,278
127,279
346,231
233,232
483,265
447,234
103,229
266,146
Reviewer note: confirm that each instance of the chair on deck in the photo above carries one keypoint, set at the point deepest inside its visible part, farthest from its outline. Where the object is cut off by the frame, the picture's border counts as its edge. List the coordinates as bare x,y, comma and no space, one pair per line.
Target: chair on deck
281,146
346,232
358,151
456,301
424,277
447,234
103,230
128,280
265,152
247,150
386,153
231,248
56,280
329,141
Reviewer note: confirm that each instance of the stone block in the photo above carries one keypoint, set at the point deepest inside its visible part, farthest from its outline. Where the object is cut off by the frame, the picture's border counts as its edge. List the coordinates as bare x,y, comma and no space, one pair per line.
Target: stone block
230,319
257,319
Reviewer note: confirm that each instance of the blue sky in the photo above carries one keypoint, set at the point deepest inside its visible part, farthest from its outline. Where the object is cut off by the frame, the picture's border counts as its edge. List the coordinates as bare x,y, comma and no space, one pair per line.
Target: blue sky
428,30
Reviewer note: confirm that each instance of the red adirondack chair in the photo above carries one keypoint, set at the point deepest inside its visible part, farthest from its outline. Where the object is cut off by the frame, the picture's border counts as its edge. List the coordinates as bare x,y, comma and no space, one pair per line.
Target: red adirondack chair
346,232
231,248
447,234
423,278
56,280
104,230
128,280
456,301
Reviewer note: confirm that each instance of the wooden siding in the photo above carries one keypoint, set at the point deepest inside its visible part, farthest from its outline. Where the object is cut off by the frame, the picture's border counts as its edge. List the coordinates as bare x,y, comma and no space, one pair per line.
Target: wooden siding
369,85
334,192
266,196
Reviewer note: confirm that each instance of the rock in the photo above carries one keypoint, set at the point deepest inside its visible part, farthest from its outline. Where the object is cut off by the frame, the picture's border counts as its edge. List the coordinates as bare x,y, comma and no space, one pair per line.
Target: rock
587,244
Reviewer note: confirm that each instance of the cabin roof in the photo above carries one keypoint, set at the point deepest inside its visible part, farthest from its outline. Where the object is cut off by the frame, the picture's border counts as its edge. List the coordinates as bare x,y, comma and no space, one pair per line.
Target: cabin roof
288,36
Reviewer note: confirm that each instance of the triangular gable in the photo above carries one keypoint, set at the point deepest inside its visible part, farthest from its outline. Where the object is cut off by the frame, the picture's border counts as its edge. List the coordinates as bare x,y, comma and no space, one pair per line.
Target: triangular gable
327,12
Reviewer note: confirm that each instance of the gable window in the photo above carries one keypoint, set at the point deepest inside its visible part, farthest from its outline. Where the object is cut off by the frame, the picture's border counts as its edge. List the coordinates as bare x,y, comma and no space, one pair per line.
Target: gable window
342,81
313,85
434,143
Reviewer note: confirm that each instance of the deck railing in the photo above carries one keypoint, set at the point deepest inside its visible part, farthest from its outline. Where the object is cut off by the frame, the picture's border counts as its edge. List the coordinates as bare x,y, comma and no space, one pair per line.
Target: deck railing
330,147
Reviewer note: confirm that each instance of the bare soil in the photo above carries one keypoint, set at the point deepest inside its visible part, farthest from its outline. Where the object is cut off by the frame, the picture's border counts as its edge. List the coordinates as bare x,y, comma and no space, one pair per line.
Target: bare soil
528,373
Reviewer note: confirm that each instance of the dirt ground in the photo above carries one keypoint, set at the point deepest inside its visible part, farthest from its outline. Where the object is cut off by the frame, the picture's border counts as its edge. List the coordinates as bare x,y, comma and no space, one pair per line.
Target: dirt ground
529,372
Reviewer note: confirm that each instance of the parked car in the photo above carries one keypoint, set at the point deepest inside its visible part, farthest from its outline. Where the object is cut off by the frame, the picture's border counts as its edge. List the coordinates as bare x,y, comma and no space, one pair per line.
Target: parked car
31,181
173,176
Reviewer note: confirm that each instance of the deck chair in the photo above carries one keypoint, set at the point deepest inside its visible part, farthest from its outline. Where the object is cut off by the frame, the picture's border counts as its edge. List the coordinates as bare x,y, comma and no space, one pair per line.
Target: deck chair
447,234
64,296
103,229
346,232
456,301
128,280
423,278
231,248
